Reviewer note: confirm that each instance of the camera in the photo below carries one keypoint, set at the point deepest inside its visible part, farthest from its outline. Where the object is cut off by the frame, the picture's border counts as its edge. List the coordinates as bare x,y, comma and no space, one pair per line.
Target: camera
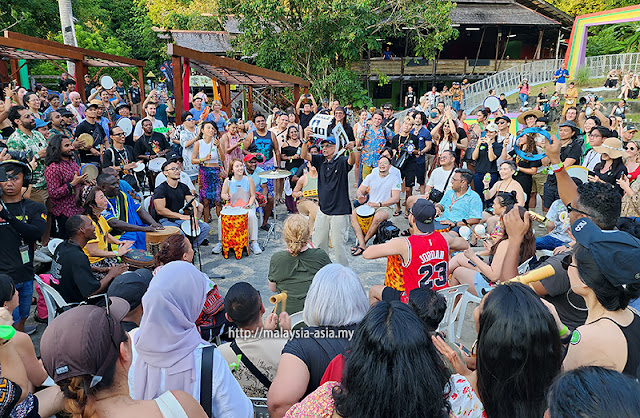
24,156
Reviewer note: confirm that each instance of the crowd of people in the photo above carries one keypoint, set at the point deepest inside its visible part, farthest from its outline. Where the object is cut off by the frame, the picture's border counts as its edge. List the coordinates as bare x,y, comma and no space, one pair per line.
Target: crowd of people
154,335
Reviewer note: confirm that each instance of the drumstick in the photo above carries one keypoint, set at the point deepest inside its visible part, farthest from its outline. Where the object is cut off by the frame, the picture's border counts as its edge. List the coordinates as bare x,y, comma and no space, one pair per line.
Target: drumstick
280,297
475,234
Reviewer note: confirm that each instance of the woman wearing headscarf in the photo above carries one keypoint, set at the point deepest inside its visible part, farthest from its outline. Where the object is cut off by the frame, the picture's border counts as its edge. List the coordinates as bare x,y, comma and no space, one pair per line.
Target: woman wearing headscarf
168,350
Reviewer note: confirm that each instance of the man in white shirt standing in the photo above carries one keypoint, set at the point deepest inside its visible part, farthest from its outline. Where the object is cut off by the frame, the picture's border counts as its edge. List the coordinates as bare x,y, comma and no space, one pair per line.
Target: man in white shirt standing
383,190
504,136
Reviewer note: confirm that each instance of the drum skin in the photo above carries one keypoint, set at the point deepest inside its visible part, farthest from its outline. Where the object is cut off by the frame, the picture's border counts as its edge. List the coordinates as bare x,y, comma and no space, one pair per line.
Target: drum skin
136,259
155,239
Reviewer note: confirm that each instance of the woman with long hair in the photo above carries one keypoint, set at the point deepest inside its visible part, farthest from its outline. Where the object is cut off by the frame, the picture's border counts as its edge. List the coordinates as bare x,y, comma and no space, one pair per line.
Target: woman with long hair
405,142
506,171
392,369
293,269
571,114
523,92
88,353
445,135
359,127
93,202
208,154
468,268
524,169
518,356
485,158
231,144
630,184
290,150
611,166
219,116
168,349
501,202
603,271
336,302
188,137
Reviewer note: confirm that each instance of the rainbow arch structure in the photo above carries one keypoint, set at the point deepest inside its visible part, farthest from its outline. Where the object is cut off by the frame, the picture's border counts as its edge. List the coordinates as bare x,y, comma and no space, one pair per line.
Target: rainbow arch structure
576,50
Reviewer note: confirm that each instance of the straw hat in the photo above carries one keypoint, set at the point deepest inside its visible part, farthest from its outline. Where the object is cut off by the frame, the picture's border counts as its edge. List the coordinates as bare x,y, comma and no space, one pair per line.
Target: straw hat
524,115
612,147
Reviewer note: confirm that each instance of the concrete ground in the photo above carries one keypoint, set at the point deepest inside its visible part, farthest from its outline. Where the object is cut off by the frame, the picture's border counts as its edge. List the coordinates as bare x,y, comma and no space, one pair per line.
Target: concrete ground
255,268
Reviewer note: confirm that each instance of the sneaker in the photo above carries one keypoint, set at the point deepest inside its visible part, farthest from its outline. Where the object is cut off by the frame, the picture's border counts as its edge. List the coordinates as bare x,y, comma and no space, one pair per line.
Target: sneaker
41,257
204,243
255,248
41,320
217,249
266,227
30,329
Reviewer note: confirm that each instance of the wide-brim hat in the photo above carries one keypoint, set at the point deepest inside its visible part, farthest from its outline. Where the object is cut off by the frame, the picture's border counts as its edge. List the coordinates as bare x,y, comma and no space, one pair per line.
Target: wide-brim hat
612,147
523,116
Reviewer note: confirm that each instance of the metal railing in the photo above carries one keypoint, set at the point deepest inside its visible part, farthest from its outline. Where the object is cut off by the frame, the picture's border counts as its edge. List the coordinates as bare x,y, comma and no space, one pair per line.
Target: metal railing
507,81
600,65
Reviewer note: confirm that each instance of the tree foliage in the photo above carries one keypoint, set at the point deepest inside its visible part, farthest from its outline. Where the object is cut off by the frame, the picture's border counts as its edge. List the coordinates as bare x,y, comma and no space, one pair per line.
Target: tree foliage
182,14
581,7
614,39
319,40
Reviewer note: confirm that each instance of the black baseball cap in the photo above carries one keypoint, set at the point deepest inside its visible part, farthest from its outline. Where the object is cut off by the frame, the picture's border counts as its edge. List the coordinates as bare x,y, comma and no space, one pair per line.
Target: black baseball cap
615,252
504,118
131,287
65,112
424,212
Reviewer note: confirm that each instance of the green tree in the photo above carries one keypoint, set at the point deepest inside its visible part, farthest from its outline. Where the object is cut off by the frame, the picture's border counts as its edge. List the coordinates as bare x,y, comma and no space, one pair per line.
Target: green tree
319,40
581,7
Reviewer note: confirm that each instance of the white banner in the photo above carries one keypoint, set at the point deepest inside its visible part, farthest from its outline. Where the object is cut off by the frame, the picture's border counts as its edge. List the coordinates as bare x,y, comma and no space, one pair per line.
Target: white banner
320,125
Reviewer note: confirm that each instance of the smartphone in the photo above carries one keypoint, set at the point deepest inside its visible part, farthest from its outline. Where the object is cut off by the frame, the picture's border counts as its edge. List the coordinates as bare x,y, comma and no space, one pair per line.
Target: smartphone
592,173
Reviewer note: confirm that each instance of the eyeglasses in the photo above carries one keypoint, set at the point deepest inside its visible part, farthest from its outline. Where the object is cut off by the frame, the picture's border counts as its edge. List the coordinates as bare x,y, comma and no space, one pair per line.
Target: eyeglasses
117,134
572,209
566,262
172,169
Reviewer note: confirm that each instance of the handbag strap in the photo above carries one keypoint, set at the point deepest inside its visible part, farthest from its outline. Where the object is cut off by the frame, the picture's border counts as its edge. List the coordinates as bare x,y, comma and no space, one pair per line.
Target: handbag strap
206,379
448,178
252,368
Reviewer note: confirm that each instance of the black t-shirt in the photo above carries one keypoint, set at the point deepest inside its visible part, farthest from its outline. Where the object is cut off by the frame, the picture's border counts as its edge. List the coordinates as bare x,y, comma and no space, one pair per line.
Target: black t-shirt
333,185
17,231
559,294
347,129
317,350
114,158
411,99
611,175
174,198
135,95
521,162
145,144
98,134
503,103
389,123
305,119
483,165
408,144
71,268
572,150
88,88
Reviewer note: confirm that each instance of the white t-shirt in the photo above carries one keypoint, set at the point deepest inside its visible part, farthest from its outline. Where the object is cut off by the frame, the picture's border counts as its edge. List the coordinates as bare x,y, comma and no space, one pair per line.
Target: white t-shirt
439,178
228,399
510,146
137,131
591,158
380,187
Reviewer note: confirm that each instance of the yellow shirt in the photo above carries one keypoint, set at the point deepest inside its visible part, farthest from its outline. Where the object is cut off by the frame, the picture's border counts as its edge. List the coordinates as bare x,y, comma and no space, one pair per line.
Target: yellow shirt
102,229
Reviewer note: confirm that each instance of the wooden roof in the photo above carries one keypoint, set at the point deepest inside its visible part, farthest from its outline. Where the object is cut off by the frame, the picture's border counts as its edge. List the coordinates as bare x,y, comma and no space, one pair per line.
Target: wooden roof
19,46
498,12
231,71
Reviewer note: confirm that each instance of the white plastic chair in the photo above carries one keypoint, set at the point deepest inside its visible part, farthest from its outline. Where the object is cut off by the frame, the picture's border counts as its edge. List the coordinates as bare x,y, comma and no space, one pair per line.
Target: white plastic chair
52,298
469,297
146,203
451,314
296,319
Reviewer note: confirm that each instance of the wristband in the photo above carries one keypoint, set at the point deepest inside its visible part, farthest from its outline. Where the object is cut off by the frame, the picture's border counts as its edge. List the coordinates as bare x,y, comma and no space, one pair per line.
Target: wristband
116,253
557,167
564,330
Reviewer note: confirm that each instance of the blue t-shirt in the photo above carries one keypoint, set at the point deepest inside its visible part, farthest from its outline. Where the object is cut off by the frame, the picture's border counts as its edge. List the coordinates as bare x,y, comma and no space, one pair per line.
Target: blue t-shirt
161,113
562,75
197,113
424,136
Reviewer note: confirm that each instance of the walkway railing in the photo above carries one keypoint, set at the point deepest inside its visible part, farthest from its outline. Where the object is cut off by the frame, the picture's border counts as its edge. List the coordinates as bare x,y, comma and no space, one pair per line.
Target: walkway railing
600,65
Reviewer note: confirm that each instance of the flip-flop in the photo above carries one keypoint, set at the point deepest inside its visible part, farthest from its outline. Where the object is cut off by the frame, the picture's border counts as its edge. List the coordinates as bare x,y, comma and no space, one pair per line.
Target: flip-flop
398,213
406,216
358,251
405,233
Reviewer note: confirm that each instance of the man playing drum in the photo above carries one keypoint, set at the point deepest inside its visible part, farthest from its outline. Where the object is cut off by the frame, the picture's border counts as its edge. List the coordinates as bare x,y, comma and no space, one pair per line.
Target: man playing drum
383,190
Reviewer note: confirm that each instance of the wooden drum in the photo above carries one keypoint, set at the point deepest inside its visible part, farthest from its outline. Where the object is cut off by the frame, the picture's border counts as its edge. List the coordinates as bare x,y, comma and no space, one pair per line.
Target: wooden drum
235,230
365,217
136,259
156,238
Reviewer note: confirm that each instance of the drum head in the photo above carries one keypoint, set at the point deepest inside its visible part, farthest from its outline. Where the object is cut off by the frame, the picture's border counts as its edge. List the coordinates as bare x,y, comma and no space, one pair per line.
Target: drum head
53,244
365,210
274,174
126,125
233,211
188,231
86,140
168,230
492,102
91,171
106,82
156,164
139,167
579,172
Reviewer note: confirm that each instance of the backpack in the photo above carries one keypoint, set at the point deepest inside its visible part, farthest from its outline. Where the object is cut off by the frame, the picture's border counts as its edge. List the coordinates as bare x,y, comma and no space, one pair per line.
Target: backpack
386,231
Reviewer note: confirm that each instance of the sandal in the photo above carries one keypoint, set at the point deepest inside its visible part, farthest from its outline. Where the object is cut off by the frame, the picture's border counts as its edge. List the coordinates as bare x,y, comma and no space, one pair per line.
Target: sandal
356,251
405,233
406,215
398,213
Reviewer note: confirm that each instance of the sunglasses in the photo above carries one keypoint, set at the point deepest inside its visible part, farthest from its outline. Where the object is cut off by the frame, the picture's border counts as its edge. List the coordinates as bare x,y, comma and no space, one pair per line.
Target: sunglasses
630,148
117,134
572,209
188,119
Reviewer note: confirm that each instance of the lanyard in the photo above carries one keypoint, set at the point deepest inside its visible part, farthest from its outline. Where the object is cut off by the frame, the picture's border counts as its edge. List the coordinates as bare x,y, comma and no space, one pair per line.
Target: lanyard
454,201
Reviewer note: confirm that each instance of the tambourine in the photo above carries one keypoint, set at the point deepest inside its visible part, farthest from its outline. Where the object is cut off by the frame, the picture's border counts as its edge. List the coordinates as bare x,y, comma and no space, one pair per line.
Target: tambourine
527,155
106,82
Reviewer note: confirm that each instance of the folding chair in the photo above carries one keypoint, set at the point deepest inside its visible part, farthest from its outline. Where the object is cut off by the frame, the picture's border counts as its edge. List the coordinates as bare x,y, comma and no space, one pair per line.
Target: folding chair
451,314
54,301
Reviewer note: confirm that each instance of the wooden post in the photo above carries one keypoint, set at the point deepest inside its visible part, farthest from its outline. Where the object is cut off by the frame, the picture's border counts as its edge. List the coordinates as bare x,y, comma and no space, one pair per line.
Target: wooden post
81,70
4,72
479,48
558,43
296,96
141,84
536,56
177,88
250,103
15,72
225,95
495,63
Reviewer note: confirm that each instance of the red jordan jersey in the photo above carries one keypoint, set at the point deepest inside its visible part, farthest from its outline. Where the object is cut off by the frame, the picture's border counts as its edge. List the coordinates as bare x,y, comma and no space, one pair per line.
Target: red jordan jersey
428,263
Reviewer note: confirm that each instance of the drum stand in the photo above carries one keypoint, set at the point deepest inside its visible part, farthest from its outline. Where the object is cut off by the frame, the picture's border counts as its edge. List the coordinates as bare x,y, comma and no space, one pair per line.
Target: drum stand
273,230
194,240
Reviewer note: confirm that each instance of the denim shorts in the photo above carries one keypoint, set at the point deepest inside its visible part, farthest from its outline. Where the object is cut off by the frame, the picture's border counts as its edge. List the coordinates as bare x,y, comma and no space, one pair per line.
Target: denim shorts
25,294
481,285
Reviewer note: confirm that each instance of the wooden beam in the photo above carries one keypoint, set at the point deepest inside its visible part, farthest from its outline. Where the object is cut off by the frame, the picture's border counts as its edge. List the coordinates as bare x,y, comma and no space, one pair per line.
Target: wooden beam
232,64
225,95
141,84
81,70
58,51
74,50
177,88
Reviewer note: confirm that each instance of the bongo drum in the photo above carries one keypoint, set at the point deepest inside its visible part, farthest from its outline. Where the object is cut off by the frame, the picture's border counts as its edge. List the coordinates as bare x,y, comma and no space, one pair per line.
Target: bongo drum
365,217
156,238
136,259
156,164
90,170
393,277
235,230
188,230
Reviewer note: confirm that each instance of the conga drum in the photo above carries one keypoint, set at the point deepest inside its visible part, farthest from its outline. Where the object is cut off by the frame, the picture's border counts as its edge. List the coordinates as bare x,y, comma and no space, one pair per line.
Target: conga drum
156,238
235,230
137,259
365,217
393,277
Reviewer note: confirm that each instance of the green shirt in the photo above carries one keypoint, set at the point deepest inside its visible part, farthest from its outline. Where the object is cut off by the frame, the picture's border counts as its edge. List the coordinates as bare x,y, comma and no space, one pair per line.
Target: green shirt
19,141
294,274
